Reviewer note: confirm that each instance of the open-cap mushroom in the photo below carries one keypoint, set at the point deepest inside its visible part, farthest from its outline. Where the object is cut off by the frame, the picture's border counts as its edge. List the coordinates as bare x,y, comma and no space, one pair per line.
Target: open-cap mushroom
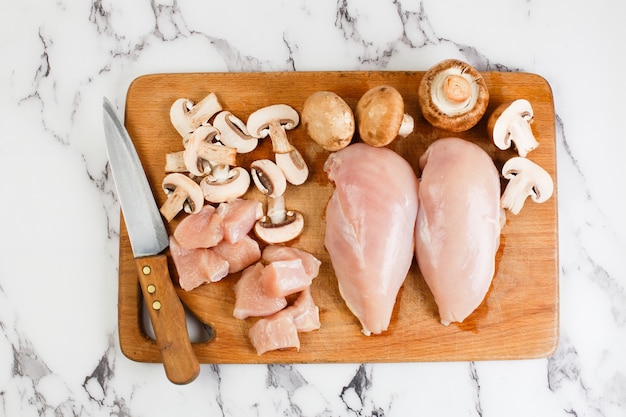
453,96
268,178
234,133
274,121
183,193
328,120
380,116
510,122
187,116
526,178
201,152
225,184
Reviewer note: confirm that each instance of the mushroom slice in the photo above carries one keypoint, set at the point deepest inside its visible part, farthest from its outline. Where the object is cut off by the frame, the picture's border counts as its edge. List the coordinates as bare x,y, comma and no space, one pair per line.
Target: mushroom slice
182,194
510,122
201,151
274,121
279,225
187,117
380,116
174,162
453,96
526,178
234,133
268,178
225,184
328,120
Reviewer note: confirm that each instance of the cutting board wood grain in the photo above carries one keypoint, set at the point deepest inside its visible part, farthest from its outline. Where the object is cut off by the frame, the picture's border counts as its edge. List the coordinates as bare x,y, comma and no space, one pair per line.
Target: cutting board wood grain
518,318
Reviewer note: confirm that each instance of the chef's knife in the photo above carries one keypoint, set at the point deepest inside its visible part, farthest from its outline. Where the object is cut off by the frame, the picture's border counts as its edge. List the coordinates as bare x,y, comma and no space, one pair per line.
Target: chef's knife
149,239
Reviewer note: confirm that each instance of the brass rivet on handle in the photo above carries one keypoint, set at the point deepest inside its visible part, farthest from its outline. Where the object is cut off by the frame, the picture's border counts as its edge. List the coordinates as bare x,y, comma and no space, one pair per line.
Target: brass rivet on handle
151,289
146,270
156,305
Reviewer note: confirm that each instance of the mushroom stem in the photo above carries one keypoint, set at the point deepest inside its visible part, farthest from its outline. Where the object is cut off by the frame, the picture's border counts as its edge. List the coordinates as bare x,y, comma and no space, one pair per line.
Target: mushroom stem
406,128
280,143
174,204
174,162
276,209
522,135
218,154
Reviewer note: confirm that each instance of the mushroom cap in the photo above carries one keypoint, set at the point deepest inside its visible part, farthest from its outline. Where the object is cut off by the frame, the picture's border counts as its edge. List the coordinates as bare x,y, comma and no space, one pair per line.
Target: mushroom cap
219,191
268,178
177,181
510,122
259,121
379,114
285,231
328,120
453,96
234,133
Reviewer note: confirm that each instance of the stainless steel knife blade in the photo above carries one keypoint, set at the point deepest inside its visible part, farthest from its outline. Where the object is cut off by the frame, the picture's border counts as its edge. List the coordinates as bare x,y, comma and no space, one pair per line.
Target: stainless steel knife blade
149,238
146,230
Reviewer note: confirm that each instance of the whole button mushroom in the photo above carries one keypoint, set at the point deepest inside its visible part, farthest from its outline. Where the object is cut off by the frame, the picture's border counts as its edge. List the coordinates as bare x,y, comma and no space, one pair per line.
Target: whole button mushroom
510,122
182,194
453,96
274,121
380,116
187,116
526,179
328,120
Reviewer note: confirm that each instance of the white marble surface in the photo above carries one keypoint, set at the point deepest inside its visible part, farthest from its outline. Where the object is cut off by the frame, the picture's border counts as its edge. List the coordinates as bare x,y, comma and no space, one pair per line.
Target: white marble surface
59,352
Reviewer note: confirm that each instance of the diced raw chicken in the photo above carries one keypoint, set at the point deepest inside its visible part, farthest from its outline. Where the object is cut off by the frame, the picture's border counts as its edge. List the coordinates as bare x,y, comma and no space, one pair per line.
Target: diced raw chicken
282,278
310,263
370,223
201,230
250,299
239,215
240,254
275,332
458,225
305,313
196,266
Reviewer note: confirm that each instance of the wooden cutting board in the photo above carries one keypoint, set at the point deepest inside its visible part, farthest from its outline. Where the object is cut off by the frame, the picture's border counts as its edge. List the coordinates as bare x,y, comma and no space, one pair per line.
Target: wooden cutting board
518,318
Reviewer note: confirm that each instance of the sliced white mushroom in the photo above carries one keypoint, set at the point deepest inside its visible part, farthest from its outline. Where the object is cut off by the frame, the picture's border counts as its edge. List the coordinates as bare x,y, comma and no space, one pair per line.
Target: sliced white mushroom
187,116
526,178
225,184
234,133
183,193
510,122
274,121
268,178
175,162
279,225
202,152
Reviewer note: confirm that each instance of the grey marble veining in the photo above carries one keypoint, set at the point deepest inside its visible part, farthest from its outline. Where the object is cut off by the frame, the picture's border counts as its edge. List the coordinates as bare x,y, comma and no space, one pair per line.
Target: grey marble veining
59,352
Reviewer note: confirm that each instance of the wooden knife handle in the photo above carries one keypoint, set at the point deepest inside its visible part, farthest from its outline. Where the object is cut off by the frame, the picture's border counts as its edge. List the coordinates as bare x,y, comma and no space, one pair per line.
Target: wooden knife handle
168,319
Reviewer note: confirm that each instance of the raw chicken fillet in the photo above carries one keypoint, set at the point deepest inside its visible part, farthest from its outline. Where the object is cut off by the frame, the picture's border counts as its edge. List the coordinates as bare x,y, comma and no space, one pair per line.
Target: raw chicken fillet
370,223
458,225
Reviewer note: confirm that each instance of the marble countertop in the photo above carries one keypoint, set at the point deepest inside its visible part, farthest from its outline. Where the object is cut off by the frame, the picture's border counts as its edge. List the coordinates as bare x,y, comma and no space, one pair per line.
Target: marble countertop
59,348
